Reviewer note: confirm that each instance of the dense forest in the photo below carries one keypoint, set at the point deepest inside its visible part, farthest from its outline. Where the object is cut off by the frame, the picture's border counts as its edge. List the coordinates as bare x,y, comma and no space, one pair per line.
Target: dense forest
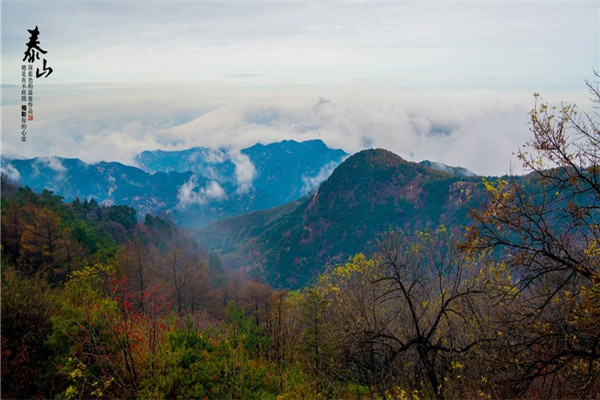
98,304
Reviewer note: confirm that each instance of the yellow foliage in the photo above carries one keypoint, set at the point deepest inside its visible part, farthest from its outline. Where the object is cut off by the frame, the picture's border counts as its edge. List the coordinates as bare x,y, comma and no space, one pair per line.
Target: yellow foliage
457,365
398,393
493,187
71,392
94,275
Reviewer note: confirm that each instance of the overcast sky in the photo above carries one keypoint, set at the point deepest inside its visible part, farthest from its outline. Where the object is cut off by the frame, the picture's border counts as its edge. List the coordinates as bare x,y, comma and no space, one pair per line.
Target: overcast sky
445,81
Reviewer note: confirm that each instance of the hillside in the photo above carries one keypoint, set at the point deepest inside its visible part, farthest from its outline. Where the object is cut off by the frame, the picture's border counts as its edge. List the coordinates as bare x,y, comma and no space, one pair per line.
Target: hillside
371,192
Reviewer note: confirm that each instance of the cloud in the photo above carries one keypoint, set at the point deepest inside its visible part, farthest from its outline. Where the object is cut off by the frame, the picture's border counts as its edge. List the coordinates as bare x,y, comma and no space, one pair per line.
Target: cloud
214,156
53,163
441,81
245,172
449,169
310,182
190,193
11,172
431,44
477,130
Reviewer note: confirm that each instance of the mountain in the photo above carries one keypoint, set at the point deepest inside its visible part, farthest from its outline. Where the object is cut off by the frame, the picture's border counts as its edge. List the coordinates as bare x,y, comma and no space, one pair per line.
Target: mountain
283,171
291,169
194,186
370,192
106,182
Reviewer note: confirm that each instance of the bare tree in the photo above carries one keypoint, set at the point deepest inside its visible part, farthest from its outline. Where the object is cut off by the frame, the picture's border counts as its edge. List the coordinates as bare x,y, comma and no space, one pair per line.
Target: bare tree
545,227
428,283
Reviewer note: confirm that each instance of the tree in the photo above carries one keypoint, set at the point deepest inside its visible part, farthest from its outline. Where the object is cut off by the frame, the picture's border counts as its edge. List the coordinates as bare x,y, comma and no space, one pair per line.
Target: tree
428,283
134,258
314,309
28,306
103,345
43,242
180,263
545,228
406,319
123,215
359,323
12,229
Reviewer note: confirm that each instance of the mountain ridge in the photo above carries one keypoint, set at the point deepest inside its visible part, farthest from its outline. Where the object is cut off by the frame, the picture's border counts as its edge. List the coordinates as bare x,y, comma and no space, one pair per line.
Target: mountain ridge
195,189
194,186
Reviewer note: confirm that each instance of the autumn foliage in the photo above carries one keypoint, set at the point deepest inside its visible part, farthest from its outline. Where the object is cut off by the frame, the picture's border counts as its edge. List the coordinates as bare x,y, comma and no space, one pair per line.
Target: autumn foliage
97,304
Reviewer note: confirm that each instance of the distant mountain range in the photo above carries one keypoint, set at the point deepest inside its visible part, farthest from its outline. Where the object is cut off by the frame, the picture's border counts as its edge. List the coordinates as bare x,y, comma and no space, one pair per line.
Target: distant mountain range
194,186
284,170
369,193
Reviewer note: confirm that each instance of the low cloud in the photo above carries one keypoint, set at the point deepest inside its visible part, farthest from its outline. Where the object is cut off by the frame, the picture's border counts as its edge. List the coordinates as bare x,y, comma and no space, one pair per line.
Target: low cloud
55,165
11,172
245,172
52,163
190,193
310,182
215,156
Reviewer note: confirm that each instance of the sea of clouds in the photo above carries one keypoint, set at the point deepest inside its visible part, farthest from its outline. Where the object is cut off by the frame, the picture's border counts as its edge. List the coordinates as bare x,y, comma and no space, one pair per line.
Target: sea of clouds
478,130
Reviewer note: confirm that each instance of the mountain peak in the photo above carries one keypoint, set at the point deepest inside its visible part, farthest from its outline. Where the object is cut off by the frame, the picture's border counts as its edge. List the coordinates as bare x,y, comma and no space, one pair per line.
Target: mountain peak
375,157
370,192
291,143
370,168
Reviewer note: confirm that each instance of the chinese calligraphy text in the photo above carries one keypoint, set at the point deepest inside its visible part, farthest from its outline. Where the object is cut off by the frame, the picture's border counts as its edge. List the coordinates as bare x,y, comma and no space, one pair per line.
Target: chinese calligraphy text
31,55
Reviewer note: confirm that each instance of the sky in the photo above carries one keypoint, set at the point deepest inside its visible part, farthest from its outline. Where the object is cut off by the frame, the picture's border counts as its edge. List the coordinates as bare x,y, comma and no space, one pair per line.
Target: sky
447,81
